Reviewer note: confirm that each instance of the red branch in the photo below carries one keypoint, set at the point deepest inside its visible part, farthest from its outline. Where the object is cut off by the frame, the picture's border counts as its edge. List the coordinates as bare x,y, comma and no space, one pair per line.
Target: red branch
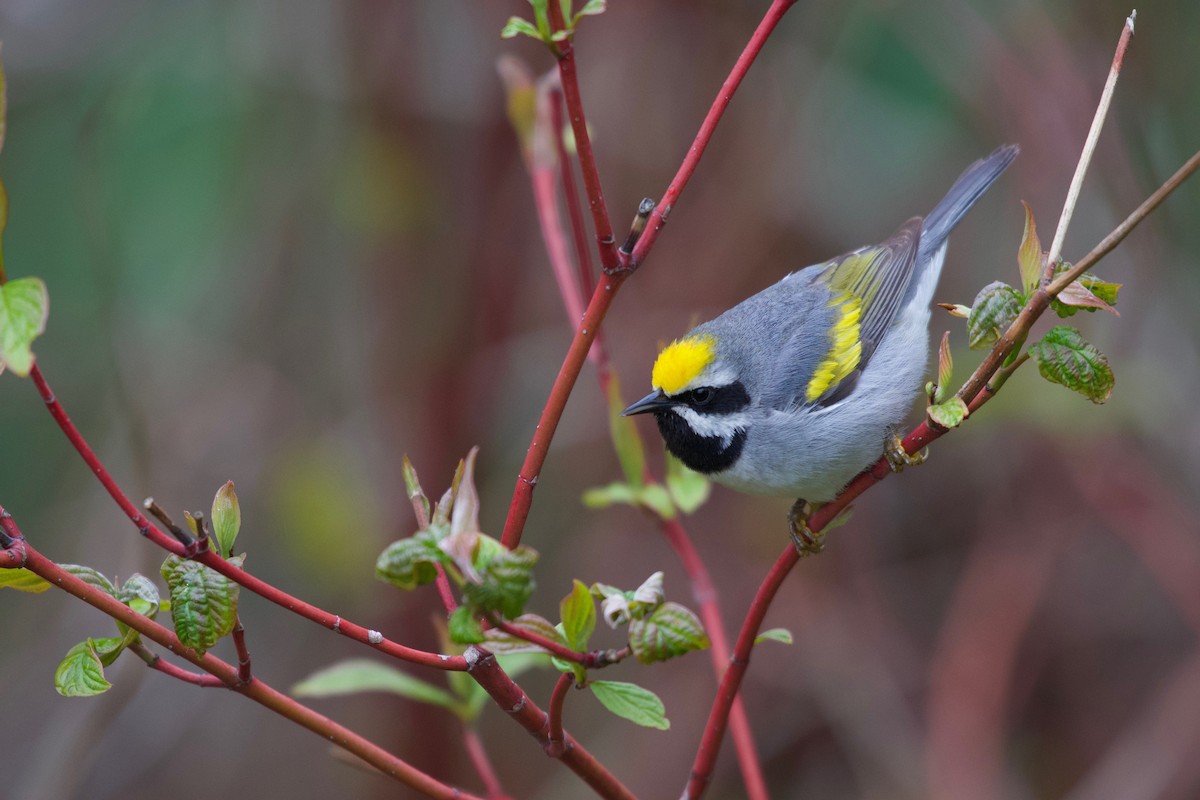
555,743
483,764
549,645
157,662
214,561
583,255
255,689
239,645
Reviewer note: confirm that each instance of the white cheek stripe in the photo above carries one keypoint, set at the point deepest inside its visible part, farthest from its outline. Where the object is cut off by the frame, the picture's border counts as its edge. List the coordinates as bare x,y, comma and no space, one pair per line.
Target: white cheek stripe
721,426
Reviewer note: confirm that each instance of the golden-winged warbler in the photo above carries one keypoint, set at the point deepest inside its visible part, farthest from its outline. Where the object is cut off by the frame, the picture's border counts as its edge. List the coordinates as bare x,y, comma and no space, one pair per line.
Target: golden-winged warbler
797,389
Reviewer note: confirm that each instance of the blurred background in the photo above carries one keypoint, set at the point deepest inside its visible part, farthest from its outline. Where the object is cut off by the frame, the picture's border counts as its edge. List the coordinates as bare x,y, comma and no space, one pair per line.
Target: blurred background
288,242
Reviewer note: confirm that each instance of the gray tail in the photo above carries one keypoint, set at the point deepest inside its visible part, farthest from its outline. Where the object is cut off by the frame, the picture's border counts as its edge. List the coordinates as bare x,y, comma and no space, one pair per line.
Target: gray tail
974,181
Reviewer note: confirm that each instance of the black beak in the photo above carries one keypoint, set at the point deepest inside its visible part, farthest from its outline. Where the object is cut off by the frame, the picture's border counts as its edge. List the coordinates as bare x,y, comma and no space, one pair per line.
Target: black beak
655,401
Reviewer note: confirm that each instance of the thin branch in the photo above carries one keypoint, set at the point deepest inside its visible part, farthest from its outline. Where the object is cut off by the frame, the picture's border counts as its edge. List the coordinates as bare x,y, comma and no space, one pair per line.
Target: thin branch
1089,147
520,707
555,743
483,764
255,689
157,662
549,645
239,645
213,560
583,254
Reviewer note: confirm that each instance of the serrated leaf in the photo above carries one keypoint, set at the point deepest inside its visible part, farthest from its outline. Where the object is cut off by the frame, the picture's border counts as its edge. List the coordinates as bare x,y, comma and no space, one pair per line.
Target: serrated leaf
357,675
464,627
625,437
945,369
1063,356
412,562
80,673
506,583
24,307
774,635
138,587
91,577
632,702
670,631
203,601
995,308
949,414
465,515
412,486
656,498
519,27
1030,258
498,641
614,493
688,489
23,580
578,611
226,518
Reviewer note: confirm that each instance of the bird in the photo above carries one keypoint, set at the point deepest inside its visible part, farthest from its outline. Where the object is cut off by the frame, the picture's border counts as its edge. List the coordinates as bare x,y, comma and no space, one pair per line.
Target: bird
800,387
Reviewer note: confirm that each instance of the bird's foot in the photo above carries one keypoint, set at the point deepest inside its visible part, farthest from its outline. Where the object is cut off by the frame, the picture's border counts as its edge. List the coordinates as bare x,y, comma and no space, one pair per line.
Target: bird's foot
807,543
897,457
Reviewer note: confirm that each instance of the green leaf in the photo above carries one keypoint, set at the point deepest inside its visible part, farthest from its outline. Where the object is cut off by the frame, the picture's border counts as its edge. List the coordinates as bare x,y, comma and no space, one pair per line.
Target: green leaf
632,702
995,308
24,306
945,370
625,437
506,583
23,581
226,518
656,498
91,577
412,486
519,27
614,493
80,673
465,515
357,675
1063,356
578,611
688,489
774,635
500,642
464,627
649,596
412,562
670,631
1085,294
139,593
590,8
107,649
949,414
203,601
1030,258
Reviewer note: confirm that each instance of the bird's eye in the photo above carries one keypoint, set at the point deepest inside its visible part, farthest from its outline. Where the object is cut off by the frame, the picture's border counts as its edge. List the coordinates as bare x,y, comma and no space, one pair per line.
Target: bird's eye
702,396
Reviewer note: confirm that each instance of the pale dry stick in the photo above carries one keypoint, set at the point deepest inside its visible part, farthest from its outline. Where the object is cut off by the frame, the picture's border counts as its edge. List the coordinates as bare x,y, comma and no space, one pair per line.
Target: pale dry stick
1089,145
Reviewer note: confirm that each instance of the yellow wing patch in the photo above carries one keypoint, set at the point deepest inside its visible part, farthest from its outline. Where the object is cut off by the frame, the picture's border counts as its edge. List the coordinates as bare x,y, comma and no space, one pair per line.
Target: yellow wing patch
845,349
682,361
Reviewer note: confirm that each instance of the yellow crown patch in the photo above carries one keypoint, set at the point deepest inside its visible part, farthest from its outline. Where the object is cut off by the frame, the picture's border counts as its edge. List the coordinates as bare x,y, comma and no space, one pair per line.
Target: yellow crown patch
682,361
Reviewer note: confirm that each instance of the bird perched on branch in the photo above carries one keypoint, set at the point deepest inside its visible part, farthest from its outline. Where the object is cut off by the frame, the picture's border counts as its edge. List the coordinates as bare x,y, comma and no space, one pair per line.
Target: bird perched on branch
797,389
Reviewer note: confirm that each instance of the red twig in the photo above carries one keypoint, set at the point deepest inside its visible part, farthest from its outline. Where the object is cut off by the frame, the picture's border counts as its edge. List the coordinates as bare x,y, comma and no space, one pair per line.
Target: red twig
211,559
549,645
483,764
555,743
610,260
583,255
661,212
506,694
239,645
255,689
157,662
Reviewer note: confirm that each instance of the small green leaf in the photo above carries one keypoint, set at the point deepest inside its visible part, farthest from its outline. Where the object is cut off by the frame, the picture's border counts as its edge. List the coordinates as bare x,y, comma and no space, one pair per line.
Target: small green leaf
91,577
1080,295
670,631
995,308
614,493
464,627
625,437
412,486
656,498
589,8
109,648
363,675
632,702
203,601
688,489
519,27
465,516
80,673
1030,258
500,642
412,562
578,611
24,307
23,580
945,370
226,518
1105,290
774,635
506,582
1063,356
139,593
949,414
956,309
650,595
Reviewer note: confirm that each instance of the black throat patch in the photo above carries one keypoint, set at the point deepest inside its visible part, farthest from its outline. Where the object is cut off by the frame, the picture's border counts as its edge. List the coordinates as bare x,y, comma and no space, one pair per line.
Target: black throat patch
705,454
